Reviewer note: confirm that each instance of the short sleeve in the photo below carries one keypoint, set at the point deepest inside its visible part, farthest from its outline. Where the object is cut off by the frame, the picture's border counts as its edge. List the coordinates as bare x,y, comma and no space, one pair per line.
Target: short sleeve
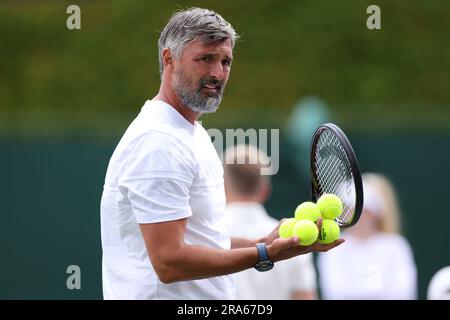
157,178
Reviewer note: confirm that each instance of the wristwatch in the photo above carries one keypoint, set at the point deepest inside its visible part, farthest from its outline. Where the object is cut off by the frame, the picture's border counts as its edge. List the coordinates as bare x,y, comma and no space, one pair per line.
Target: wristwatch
264,264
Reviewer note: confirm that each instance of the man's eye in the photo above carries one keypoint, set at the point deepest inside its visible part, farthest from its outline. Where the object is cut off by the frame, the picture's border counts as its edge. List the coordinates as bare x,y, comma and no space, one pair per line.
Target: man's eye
206,58
226,62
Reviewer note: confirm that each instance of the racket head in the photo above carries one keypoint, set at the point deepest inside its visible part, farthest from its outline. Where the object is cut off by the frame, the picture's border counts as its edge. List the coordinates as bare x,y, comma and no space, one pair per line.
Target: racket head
334,169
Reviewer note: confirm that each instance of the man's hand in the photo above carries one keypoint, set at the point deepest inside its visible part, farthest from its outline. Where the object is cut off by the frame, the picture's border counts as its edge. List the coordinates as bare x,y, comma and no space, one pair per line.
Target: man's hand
281,249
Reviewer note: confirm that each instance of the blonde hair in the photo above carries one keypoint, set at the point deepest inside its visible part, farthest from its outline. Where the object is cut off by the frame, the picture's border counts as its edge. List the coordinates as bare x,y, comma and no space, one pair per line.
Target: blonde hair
242,168
390,211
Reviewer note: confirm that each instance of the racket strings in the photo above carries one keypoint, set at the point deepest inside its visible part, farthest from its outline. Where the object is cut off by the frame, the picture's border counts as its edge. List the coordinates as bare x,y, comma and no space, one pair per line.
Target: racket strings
330,166
334,174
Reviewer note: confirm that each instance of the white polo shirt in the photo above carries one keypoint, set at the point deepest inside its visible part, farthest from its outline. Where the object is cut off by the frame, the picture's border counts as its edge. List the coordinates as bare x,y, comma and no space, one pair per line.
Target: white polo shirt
163,169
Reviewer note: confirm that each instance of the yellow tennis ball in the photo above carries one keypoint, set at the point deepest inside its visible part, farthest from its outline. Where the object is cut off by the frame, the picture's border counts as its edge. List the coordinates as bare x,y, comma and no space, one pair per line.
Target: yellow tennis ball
330,205
307,210
306,231
285,229
329,232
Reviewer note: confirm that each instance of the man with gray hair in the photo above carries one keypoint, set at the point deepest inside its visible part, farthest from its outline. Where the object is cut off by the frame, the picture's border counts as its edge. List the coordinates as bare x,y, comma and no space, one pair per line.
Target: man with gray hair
163,200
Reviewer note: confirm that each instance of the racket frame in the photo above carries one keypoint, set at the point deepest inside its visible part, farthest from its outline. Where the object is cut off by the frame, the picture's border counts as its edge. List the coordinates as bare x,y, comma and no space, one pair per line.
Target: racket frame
354,168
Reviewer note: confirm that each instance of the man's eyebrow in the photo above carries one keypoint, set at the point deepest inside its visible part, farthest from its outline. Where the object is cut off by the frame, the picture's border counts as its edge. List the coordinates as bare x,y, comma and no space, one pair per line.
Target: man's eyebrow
215,55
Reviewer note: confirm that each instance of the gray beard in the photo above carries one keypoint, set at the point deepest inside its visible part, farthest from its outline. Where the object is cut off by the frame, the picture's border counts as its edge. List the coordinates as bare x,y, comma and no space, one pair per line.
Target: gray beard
194,99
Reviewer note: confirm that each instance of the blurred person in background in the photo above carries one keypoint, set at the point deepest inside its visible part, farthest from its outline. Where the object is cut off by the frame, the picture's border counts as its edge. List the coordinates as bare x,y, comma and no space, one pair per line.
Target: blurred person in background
245,216
376,261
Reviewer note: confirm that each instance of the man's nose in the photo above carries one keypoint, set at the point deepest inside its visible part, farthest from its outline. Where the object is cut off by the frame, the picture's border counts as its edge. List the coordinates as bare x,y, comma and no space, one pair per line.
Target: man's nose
217,71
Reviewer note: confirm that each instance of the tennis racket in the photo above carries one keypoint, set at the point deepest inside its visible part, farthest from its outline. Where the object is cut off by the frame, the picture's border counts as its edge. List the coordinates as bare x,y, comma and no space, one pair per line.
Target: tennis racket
334,169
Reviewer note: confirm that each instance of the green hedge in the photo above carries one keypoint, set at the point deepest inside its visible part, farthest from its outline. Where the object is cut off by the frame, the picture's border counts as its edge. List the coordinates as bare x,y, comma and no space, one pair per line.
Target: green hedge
56,82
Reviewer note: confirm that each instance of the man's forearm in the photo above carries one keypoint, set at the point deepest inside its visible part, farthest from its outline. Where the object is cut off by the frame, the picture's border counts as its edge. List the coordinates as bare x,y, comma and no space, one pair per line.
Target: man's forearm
174,260
196,262
237,243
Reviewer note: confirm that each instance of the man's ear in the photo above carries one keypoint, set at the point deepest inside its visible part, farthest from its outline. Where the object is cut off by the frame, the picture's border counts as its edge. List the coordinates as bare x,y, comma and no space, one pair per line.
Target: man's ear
167,58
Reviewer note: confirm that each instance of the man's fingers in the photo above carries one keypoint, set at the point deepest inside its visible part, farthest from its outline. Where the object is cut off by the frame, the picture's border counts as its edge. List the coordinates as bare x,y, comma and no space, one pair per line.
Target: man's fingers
285,243
319,223
295,240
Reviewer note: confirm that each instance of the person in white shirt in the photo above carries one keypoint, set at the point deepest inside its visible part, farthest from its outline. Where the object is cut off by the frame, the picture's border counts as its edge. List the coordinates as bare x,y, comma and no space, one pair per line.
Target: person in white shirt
246,190
377,261
163,199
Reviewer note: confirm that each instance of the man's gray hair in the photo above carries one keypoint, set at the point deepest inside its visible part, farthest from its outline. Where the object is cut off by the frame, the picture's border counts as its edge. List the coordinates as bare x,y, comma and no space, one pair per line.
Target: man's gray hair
193,24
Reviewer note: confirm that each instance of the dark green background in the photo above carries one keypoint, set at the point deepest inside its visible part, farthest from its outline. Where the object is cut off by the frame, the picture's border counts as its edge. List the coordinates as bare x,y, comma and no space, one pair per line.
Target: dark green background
67,96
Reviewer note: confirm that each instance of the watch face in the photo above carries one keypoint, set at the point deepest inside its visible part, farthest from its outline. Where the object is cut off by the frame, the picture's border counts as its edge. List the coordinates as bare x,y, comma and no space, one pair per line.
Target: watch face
264,265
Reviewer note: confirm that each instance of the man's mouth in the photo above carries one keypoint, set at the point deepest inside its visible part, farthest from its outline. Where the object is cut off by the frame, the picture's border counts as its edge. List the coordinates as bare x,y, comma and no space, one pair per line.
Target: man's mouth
212,88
